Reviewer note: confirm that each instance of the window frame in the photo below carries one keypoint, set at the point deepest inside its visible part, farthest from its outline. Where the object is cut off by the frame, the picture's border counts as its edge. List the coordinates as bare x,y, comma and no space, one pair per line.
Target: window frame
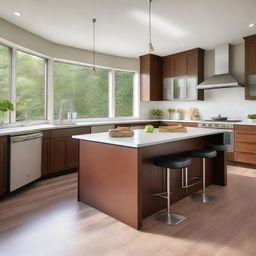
49,87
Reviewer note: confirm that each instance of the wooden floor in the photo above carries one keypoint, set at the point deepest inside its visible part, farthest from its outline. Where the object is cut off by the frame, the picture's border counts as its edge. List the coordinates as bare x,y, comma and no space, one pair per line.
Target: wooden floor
46,219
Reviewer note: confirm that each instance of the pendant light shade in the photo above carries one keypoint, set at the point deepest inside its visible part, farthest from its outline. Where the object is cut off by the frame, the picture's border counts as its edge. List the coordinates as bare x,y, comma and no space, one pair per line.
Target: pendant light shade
150,45
94,72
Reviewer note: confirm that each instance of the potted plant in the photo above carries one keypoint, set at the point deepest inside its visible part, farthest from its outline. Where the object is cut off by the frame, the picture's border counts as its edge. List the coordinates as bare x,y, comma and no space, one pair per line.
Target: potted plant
5,105
156,113
170,111
252,118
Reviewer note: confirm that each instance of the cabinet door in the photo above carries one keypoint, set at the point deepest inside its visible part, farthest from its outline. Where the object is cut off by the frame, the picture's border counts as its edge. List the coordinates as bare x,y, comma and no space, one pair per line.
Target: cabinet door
251,57
58,154
46,149
192,62
3,165
72,153
180,64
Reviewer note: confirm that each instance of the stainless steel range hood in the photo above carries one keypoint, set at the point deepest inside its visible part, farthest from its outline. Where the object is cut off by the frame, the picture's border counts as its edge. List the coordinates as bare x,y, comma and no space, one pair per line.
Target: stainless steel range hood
222,77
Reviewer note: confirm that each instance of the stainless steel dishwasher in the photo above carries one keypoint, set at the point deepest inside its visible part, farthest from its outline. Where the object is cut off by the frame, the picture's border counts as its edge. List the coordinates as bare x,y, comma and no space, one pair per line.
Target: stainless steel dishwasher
25,165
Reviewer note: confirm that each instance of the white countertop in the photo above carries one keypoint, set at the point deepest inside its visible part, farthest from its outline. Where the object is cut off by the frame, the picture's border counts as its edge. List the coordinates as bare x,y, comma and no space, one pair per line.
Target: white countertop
42,127
142,139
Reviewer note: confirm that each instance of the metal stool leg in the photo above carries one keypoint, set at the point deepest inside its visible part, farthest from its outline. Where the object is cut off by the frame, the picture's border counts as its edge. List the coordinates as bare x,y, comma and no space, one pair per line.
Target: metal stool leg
168,217
203,197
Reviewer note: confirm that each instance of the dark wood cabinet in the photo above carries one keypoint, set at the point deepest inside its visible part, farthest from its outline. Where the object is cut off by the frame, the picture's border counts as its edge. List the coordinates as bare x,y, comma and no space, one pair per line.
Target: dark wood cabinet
250,67
60,151
3,164
151,79
46,149
180,64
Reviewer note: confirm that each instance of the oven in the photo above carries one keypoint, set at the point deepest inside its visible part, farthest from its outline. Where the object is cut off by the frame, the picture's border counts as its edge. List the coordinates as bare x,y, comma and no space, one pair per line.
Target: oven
228,133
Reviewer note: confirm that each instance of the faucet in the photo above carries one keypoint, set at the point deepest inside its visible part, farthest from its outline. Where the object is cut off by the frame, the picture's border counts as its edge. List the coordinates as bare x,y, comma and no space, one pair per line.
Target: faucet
70,107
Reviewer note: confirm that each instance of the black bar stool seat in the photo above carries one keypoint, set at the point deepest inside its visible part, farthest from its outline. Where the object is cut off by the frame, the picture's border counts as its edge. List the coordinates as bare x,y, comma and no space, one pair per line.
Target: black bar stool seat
171,162
203,154
218,147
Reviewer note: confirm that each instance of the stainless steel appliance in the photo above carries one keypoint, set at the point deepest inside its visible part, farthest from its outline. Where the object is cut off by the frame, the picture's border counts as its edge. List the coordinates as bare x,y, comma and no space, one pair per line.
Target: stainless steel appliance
228,129
25,159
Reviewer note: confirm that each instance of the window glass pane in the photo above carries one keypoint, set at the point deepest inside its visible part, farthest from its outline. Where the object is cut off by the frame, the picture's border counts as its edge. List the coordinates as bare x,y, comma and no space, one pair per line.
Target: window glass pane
30,87
124,93
4,75
77,91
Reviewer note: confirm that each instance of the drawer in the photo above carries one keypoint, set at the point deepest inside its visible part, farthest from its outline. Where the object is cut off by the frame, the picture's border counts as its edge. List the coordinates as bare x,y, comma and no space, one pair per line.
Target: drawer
70,132
243,137
245,147
46,135
245,157
251,129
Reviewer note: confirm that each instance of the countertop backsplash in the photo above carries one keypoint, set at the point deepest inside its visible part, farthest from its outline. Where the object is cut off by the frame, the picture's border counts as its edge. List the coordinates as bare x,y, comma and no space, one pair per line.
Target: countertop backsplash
228,102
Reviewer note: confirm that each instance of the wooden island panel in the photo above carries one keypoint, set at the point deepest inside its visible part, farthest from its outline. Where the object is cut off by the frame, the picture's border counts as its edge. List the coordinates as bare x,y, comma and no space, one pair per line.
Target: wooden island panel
120,181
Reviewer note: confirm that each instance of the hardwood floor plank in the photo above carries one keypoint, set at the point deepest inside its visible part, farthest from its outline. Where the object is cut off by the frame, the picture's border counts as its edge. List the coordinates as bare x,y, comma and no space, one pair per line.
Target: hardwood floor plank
46,219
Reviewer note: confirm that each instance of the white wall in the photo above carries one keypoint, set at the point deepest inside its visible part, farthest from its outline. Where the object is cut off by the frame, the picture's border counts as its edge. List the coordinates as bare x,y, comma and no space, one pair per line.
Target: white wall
14,35
227,102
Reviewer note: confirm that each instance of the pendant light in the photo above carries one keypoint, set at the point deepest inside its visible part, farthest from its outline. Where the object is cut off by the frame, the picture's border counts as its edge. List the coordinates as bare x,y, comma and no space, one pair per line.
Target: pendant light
150,45
94,72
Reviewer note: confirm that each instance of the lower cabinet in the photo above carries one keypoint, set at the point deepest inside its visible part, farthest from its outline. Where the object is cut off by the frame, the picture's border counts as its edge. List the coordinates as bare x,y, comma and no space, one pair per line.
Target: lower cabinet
59,151
245,144
3,164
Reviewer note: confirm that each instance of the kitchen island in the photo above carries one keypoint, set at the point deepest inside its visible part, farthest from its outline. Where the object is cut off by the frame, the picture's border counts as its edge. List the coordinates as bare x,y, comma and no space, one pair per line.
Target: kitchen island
117,175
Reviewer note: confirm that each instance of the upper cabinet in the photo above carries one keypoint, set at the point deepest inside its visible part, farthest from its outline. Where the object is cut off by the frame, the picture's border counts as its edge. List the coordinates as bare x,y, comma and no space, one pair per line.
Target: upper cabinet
173,77
250,67
151,80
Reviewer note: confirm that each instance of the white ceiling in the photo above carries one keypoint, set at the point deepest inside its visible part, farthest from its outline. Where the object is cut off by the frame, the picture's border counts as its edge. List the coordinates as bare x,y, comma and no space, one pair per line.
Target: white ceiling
122,25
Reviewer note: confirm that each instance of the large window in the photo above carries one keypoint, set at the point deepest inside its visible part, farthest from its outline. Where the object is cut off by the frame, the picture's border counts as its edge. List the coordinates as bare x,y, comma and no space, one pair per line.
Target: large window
4,74
124,83
77,91
30,87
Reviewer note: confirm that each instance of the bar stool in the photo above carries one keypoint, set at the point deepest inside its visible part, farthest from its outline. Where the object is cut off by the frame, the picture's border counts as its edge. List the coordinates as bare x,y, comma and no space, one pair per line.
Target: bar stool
205,153
170,163
218,147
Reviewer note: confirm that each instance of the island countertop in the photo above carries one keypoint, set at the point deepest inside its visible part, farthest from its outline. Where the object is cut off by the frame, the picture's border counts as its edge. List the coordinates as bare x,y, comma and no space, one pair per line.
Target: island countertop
142,139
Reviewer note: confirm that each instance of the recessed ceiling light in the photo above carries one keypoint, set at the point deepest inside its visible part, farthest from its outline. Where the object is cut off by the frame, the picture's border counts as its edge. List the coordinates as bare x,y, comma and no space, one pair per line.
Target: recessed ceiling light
251,25
17,14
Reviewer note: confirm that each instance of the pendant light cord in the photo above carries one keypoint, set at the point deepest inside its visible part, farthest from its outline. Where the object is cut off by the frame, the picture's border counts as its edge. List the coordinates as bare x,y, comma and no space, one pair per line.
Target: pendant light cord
94,21
149,17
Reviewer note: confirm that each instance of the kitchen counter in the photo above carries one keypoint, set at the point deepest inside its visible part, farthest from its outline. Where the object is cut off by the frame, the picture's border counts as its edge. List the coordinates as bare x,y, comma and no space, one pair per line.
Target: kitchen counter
142,139
42,127
38,128
118,177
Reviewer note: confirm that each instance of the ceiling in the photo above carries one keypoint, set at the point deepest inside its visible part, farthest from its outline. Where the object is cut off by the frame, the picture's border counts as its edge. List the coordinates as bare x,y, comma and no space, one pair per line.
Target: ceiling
122,25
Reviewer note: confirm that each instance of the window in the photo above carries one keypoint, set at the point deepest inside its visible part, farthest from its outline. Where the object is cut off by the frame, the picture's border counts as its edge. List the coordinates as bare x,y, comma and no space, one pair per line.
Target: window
30,87
4,75
77,91
124,93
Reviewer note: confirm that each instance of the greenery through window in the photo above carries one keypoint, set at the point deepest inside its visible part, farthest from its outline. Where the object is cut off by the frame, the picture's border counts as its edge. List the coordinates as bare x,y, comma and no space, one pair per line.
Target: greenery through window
124,93
77,91
30,87
4,75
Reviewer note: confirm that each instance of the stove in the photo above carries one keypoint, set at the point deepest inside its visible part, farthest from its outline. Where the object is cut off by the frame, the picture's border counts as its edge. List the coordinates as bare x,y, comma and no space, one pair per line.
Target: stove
223,121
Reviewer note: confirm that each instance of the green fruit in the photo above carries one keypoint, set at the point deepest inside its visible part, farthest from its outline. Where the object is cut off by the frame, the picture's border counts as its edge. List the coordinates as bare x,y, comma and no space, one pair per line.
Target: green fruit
149,128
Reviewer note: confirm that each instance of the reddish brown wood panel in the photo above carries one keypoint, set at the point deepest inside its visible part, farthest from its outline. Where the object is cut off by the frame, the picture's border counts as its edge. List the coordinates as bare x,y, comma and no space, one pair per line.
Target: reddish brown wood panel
109,181
151,80
46,156
58,154
244,137
245,157
180,64
72,153
3,165
245,147
250,129
168,67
